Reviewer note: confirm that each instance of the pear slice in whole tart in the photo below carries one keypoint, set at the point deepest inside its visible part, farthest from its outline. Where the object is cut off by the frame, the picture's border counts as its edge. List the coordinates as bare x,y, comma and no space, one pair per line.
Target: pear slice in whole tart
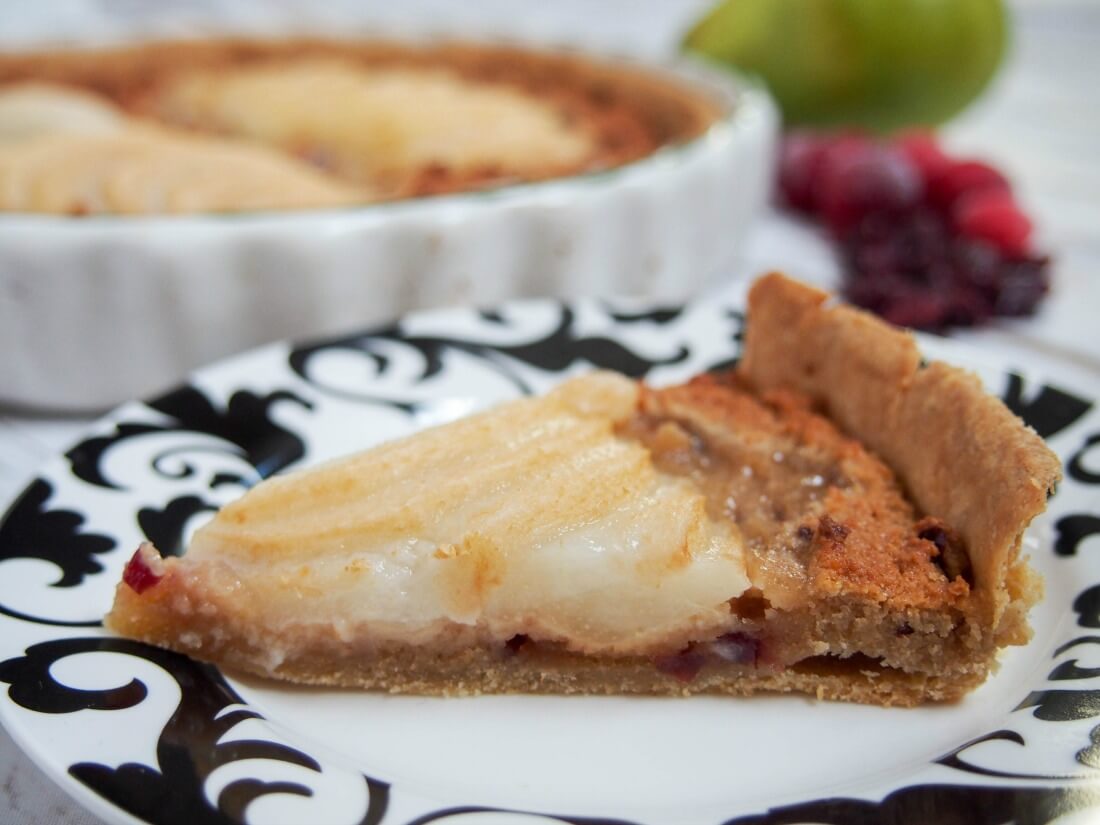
65,151
831,518
329,122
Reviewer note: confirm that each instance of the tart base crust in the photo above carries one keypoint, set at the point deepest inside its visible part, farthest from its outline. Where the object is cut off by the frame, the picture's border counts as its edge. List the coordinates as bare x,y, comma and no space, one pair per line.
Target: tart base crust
456,670
480,672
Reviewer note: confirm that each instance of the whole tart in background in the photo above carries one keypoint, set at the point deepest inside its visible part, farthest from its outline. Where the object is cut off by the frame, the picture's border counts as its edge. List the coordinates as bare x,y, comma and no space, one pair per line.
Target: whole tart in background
168,203
373,121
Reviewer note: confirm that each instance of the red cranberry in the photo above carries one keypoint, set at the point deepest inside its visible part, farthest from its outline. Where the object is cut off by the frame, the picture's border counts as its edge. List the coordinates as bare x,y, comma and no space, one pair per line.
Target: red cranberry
961,177
516,643
992,215
920,310
927,241
836,150
923,238
874,179
138,574
800,158
977,263
738,648
924,152
683,666
1022,285
876,292
935,534
968,306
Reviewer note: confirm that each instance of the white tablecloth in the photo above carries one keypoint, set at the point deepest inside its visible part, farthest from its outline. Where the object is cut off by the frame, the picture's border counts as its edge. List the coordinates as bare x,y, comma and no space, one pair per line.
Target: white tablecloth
1040,121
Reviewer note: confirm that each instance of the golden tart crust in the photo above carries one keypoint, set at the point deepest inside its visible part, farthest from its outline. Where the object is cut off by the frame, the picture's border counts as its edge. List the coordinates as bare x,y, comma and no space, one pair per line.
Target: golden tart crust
803,543
959,453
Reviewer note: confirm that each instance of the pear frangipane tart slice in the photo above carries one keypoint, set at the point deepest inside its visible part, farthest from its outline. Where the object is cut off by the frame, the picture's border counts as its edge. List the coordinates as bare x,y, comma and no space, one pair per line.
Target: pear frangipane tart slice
830,518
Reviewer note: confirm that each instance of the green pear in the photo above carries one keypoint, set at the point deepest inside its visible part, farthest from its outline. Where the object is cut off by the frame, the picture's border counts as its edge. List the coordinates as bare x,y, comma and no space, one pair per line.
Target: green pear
879,64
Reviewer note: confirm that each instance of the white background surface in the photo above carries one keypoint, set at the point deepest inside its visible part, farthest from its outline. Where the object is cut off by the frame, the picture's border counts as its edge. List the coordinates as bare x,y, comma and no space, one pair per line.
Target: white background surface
1040,122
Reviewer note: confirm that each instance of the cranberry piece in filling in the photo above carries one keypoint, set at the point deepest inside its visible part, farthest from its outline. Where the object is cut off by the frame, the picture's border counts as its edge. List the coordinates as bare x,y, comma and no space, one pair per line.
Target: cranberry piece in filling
935,534
683,666
138,575
737,648
516,643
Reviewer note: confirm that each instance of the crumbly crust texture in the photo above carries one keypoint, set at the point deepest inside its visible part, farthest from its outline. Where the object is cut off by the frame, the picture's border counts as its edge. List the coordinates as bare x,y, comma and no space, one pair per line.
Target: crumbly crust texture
959,453
811,494
884,562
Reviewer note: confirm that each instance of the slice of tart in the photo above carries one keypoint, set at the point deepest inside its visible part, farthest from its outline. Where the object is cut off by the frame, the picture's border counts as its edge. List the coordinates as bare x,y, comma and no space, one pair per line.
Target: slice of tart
830,518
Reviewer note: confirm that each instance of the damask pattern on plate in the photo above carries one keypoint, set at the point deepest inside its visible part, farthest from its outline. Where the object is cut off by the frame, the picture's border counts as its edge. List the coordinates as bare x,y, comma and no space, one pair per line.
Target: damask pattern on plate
132,728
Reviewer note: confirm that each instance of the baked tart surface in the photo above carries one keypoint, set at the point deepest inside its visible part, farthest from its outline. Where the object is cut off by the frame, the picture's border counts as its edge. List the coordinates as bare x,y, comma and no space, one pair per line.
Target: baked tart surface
323,123
765,529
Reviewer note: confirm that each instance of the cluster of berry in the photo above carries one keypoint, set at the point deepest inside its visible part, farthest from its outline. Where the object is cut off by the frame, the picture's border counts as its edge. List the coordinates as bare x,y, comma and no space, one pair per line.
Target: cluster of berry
928,241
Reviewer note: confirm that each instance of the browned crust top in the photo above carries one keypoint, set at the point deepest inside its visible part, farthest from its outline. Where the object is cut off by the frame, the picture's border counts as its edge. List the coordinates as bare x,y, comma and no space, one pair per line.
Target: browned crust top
856,537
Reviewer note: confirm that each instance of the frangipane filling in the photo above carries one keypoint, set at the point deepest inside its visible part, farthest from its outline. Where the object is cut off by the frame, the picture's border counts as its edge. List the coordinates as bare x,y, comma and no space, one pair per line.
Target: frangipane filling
821,518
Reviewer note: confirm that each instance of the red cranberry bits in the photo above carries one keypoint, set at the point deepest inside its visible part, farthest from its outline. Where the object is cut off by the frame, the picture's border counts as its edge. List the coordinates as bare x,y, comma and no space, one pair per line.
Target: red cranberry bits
927,240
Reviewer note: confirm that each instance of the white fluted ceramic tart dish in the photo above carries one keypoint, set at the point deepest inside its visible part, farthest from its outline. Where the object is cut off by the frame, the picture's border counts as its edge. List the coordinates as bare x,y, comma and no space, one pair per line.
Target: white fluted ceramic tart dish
162,205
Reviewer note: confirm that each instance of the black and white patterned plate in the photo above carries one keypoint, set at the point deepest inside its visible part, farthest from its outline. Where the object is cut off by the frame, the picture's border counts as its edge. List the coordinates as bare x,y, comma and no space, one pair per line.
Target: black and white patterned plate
138,734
